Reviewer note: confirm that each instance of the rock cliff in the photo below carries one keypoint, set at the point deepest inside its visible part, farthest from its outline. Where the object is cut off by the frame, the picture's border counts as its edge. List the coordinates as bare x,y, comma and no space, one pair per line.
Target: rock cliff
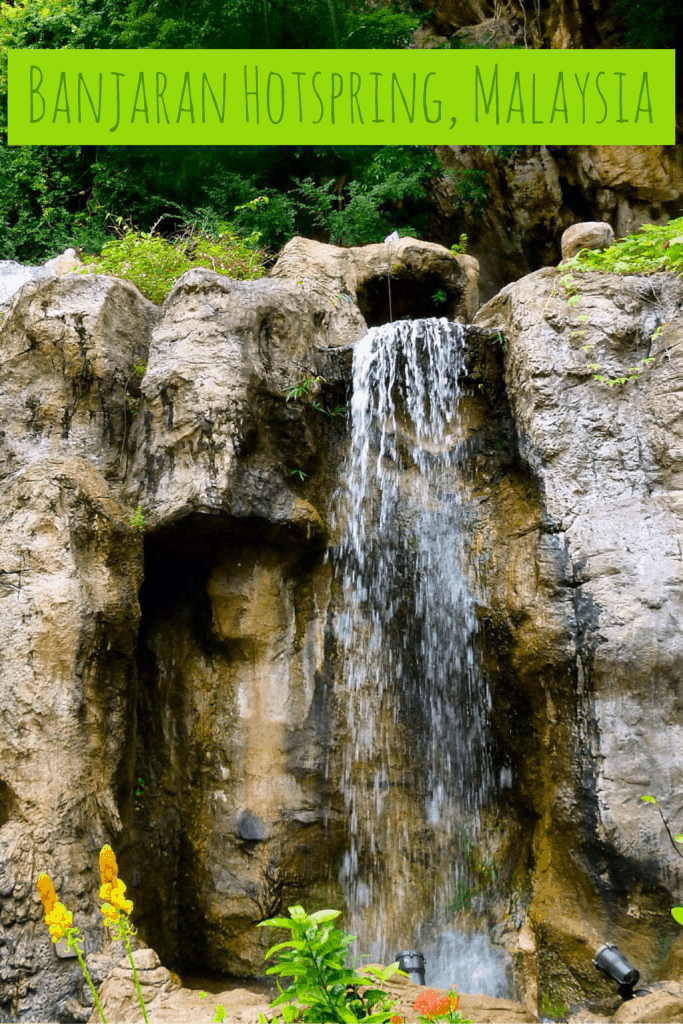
177,693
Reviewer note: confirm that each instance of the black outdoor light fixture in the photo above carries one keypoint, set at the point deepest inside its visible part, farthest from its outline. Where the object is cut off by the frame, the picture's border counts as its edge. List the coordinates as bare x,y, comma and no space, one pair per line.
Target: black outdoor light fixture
614,964
413,963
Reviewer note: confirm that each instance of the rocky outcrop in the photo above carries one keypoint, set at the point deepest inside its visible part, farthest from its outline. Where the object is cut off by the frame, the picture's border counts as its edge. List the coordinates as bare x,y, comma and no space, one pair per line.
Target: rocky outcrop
587,610
536,192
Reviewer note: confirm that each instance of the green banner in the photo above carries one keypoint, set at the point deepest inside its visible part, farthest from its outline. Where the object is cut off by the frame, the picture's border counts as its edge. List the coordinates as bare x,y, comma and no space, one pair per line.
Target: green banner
344,97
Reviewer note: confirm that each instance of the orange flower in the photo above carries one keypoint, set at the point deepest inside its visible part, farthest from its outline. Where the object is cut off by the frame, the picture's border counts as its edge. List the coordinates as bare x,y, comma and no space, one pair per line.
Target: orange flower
396,1019
430,1004
47,892
109,871
454,1000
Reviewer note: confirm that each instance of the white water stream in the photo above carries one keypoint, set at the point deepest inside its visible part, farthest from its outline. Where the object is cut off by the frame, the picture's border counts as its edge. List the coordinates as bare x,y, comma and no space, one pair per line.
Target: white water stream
416,766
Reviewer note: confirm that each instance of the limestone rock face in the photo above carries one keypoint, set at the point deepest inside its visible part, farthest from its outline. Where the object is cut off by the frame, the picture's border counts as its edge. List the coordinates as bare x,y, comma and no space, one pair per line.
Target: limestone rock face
588,235
602,634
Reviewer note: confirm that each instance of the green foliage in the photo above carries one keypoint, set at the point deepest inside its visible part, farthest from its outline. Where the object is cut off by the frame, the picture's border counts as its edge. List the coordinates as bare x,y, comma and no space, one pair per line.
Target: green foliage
52,197
380,28
439,297
650,250
556,1010
676,912
505,152
154,263
460,247
470,188
137,519
316,959
650,23
140,788
305,389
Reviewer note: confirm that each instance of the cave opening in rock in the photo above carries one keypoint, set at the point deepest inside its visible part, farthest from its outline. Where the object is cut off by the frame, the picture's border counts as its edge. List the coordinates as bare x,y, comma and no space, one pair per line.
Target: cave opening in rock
231,739
412,298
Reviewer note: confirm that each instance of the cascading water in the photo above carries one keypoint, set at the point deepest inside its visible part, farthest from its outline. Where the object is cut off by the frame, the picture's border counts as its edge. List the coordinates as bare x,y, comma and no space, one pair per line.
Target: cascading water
416,767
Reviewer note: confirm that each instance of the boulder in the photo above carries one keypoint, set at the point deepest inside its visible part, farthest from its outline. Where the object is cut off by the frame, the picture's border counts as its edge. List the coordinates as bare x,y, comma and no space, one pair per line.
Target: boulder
590,234
13,275
662,1005
407,274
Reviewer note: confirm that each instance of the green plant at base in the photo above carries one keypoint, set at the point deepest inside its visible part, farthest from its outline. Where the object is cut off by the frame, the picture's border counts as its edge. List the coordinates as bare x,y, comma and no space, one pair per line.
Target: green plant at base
439,297
554,1010
137,519
676,912
325,988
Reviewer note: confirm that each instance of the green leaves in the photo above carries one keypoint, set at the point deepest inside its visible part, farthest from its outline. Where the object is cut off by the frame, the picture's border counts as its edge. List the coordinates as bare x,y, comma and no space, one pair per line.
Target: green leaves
677,914
649,800
322,985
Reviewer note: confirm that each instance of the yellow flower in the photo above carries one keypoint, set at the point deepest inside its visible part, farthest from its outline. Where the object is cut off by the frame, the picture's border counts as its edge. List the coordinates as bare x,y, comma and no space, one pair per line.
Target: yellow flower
114,892
58,920
111,913
109,871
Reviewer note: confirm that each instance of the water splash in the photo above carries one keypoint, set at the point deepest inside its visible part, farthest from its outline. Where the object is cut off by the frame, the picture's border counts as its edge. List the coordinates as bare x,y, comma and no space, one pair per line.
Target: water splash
416,766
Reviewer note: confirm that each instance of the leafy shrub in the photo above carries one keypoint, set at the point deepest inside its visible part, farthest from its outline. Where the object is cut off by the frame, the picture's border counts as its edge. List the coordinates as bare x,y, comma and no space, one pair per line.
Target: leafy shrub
651,249
316,959
154,263
381,29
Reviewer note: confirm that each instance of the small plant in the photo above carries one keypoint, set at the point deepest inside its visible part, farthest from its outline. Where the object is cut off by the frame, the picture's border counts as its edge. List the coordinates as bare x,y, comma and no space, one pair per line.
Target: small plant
305,389
302,389
137,519
325,988
139,795
299,473
676,912
554,1010
460,247
439,297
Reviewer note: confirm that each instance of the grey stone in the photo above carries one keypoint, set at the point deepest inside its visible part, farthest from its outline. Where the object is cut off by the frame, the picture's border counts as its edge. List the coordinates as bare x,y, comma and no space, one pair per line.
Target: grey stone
587,235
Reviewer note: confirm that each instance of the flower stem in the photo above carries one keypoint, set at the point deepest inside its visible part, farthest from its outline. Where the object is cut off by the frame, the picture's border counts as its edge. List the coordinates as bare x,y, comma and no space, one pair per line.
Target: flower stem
135,973
70,942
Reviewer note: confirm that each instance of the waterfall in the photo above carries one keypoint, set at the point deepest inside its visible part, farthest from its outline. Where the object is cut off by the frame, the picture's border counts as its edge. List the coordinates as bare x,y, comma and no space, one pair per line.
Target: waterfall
415,760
